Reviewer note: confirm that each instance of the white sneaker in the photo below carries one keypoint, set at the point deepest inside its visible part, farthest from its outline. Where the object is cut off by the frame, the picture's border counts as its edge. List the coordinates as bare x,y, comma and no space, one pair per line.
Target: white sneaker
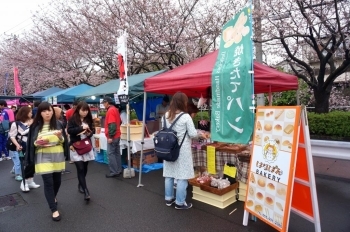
24,188
8,158
0,159
31,184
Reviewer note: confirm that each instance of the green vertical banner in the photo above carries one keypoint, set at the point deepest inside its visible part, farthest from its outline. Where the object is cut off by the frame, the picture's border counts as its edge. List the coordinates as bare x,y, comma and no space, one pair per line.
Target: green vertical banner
232,82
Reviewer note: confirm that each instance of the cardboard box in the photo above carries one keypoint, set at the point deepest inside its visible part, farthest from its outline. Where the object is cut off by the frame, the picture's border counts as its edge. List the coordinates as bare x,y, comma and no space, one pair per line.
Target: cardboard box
149,157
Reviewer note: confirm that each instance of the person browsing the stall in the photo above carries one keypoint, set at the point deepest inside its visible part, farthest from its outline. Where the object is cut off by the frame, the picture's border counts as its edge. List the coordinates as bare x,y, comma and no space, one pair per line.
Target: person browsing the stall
112,132
70,112
162,108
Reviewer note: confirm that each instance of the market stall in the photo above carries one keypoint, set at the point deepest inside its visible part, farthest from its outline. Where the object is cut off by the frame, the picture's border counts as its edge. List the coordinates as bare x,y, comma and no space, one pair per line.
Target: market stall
194,79
136,89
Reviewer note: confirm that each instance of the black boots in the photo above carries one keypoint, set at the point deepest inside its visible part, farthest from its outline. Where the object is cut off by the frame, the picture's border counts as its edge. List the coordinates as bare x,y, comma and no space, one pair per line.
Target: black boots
80,188
86,195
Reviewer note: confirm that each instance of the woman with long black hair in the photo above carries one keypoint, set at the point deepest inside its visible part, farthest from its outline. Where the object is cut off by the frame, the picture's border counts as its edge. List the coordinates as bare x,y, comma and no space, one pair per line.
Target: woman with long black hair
47,148
80,126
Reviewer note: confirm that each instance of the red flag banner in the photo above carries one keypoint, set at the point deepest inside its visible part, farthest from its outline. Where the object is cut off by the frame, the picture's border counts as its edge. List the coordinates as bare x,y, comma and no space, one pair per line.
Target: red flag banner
18,90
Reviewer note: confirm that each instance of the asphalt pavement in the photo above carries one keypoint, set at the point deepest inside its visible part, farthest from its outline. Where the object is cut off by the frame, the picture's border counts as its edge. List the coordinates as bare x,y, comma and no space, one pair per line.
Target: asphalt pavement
117,204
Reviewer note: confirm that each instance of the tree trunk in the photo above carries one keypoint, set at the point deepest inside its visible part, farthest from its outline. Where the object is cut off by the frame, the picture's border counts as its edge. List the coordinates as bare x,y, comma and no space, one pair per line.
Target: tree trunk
321,101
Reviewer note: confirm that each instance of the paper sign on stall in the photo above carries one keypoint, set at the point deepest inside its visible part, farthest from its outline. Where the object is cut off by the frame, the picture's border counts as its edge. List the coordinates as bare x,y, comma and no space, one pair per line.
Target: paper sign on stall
272,168
211,160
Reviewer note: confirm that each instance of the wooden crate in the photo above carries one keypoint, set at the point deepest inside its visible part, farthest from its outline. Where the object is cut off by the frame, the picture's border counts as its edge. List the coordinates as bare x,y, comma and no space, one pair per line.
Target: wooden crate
149,157
241,197
213,199
206,187
135,132
134,129
242,191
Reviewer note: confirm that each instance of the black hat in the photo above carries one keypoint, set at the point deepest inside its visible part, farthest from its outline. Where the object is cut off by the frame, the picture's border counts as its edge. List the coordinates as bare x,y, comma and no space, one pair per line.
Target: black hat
166,98
108,99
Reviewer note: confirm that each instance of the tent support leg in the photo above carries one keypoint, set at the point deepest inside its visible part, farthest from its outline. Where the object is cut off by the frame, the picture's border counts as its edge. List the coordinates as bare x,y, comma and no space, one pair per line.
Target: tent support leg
143,136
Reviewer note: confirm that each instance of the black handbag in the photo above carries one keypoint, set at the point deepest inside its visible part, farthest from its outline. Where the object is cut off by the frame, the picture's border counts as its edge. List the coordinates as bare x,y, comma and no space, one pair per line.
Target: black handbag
10,146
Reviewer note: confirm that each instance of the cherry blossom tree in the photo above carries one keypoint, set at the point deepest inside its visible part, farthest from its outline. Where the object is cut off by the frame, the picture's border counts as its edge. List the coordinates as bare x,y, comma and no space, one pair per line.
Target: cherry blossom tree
75,41
313,36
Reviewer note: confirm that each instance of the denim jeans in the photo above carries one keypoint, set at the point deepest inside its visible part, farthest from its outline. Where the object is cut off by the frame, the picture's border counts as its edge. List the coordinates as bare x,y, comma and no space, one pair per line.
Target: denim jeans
17,163
114,157
181,191
3,140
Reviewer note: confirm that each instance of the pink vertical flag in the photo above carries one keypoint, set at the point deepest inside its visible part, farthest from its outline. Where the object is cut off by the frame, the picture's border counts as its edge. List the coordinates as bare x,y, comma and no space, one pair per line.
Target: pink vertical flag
18,90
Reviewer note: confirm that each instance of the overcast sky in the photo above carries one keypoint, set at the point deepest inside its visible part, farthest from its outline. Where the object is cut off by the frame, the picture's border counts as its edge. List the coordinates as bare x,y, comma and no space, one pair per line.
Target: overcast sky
15,14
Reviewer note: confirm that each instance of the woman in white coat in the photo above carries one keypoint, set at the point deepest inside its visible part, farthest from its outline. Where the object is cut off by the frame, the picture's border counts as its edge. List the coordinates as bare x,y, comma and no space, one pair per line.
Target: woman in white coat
182,168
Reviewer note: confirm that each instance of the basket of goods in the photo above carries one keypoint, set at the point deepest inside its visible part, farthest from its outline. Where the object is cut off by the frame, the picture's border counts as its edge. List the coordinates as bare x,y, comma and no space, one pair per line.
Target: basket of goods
232,148
197,181
244,156
97,122
218,186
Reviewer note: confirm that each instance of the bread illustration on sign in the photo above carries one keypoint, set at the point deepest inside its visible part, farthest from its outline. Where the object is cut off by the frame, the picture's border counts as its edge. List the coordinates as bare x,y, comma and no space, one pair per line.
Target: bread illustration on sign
252,178
259,195
269,200
271,186
261,183
250,203
289,129
268,127
266,138
258,208
278,114
260,114
251,190
258,126
286,143
257,139
269,114
278,127
290,114
279,206
281,191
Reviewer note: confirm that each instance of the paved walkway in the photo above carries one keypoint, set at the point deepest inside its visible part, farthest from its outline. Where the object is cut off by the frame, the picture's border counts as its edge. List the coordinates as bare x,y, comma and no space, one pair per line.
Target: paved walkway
118,205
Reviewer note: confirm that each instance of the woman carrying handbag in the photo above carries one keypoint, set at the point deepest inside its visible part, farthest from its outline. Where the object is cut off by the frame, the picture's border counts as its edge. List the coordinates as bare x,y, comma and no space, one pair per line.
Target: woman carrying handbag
18,136
80,130
47,148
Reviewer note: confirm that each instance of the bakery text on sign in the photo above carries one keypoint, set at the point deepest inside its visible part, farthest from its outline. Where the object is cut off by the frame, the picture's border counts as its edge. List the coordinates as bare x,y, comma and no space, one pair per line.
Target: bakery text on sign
218,93
235,77
270,172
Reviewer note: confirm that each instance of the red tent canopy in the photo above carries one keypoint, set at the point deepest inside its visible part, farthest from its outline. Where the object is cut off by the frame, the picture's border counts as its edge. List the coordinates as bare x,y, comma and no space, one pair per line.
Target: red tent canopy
195,77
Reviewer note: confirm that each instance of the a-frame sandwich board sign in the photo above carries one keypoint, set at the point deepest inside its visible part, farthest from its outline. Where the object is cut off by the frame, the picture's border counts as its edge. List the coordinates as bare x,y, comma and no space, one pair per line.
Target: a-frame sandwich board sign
281,177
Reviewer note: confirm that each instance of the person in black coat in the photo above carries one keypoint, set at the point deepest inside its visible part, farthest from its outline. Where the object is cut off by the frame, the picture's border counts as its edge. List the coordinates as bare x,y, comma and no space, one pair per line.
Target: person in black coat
80,127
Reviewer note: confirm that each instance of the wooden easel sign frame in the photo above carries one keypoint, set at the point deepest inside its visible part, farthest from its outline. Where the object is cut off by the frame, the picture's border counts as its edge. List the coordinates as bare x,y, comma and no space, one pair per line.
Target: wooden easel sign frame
281,176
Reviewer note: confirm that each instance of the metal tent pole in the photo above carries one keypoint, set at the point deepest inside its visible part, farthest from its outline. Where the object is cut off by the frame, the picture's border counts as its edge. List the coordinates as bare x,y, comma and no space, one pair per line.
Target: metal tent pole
143,136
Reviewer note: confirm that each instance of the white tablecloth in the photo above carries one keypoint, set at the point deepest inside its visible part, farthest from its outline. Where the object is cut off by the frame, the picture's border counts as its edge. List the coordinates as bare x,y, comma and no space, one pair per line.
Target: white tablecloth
135,145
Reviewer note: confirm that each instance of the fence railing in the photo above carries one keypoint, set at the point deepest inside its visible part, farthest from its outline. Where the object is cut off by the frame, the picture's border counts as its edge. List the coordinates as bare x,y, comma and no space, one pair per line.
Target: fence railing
331,108
330,149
